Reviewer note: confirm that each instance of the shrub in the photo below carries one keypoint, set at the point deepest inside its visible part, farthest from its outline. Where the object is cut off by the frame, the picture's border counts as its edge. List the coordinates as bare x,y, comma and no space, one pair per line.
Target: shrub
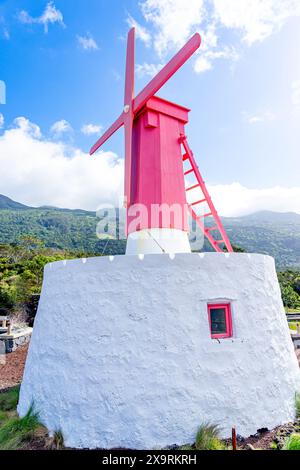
7,297
293,442
17,431
207,437
9,400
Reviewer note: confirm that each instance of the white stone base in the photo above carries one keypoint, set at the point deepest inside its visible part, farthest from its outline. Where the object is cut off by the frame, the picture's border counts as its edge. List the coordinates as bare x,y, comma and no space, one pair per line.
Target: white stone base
121,353
157,240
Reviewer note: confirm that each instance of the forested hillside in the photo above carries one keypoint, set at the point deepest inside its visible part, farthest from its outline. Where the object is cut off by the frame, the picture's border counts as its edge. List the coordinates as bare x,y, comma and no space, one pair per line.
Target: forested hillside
31,237
276,234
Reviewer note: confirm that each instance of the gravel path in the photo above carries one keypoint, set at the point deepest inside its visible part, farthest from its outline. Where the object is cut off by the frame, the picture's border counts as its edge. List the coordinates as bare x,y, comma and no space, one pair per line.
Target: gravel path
11,372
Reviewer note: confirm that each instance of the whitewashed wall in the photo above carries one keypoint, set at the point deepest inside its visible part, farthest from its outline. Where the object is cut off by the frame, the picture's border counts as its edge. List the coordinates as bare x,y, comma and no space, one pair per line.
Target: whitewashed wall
121,354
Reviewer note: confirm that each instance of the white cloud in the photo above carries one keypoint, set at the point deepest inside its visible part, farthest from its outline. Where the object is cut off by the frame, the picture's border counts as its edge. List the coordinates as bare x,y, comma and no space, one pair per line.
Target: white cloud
140,32
256,19
116,75
4,32
259,117
146,69
87,43
61,127
1,120
50,15
296,93
202,64
28,127
37,172
2,92
174,21
234,200
205,60
90,129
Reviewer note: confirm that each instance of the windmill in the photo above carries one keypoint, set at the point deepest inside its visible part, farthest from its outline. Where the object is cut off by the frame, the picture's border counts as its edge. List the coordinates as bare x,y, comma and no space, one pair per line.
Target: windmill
171,332
158,157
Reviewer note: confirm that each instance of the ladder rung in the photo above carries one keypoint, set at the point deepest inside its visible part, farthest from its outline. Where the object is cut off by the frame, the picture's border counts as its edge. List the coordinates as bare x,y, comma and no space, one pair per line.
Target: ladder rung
197,202
212,228
185,157
192,187
188,171
204,215
220,241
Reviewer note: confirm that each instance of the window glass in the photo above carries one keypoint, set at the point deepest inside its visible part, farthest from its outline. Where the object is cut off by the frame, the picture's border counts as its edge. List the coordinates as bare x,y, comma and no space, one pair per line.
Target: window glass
218,320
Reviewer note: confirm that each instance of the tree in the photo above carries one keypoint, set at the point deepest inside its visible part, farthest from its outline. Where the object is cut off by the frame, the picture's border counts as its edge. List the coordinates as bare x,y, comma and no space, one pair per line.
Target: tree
290,298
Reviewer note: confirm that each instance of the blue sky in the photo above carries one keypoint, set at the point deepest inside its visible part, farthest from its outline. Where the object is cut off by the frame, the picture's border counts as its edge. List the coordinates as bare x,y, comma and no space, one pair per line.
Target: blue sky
63,65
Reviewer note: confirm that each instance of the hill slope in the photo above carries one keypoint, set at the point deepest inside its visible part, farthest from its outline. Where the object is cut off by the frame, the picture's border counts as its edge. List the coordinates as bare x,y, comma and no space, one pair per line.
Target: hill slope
277,234
7,203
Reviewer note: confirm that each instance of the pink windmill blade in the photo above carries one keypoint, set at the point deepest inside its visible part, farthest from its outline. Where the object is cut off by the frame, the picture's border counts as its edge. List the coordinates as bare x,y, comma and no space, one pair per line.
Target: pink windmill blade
128,114
133,105
167,71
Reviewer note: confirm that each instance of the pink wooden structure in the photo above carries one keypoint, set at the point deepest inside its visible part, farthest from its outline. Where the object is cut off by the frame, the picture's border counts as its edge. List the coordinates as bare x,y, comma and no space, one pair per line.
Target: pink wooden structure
155,149
156,172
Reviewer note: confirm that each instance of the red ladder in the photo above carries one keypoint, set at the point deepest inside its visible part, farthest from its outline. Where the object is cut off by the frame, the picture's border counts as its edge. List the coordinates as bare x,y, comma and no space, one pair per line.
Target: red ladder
194,171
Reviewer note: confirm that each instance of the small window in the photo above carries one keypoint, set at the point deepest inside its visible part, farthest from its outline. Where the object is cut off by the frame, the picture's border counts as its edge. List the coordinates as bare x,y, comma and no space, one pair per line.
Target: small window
220,322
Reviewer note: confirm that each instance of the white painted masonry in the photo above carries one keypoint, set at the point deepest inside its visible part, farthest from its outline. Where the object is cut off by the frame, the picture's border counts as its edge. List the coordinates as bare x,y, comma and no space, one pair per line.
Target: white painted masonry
158,240
121,354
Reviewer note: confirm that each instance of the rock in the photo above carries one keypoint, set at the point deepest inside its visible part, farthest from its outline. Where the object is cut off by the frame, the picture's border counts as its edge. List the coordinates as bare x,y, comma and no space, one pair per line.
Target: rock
250,447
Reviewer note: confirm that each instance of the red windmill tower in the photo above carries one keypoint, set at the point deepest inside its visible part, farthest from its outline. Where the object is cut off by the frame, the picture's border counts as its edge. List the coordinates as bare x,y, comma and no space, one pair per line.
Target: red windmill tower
158,159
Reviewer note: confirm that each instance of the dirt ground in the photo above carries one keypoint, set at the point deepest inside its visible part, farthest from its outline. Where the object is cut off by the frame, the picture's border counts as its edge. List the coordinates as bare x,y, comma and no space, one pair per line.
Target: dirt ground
11,371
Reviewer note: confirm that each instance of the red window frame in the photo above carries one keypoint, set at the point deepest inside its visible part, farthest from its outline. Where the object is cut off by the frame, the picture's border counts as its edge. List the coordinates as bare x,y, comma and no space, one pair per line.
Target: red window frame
228,320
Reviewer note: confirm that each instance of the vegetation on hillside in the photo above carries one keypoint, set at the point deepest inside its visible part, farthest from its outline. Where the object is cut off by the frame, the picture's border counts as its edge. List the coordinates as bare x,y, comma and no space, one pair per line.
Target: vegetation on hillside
21,270
290,288
59,229
56,234
264,232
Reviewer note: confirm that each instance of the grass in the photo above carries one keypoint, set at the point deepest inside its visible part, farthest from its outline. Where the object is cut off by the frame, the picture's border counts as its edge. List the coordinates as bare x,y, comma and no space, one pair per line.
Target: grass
293,442
16,432
58,440
9,399
187,447
3,417
207,438
23,433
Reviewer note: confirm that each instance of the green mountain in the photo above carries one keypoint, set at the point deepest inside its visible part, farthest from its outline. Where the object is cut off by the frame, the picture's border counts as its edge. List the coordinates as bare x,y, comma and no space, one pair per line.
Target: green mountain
7,203
274,233
277,234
